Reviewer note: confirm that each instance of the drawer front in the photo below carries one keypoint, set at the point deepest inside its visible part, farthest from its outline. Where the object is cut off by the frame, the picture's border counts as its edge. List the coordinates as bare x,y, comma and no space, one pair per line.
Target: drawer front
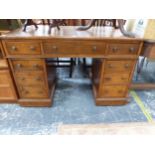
113,91
26,65
114,66
75,47
30,78
33,92
119,49
3,64
6,93
4,78
24,48
116,78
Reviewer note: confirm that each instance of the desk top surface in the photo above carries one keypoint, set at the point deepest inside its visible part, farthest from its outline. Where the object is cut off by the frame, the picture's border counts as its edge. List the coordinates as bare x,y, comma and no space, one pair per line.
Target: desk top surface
68,32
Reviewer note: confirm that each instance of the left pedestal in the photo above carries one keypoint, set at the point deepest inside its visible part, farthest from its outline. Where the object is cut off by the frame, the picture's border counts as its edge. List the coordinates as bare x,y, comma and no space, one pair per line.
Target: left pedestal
34,88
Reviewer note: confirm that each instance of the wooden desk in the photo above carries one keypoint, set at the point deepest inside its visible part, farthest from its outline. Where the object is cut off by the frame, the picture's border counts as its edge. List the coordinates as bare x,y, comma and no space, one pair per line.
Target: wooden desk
114,61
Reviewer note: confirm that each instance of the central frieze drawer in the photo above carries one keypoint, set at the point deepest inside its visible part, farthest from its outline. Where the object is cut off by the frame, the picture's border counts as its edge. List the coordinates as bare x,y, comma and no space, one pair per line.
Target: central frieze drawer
25,65
73,47
23,48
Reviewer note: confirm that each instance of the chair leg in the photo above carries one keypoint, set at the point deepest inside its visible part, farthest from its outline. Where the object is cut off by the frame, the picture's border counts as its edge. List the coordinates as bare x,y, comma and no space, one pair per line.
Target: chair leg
147,62
140,66
58,61
71,68
84,64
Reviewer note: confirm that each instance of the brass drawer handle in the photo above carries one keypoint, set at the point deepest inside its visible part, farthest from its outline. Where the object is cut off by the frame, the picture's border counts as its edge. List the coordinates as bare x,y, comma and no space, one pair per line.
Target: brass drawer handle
22,78
108,78
40,92
35,66
106,91
132,49
94,48
54,48
123,78
126,65
32,48
120,91
13,48
110,66
38,79
18,66
25,92
115,49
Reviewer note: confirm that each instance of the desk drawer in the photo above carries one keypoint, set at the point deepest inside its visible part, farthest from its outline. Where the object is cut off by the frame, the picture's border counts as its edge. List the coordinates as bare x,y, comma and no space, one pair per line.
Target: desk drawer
125,49
30,78
3,64
4,77
6,93
33,92
74,47
113,91
26,65
114,66
116,78
23,48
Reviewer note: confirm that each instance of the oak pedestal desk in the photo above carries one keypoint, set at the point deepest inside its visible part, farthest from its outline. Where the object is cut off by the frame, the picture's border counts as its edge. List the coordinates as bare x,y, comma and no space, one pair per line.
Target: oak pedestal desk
114,58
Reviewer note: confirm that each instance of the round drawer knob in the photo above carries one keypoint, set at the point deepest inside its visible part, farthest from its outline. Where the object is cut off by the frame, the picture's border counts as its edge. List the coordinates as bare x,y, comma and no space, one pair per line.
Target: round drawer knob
120,91
22,78
132,49
108,78
38,79
94,48
32,48
18,65
13,48
115,49
106,91
110,66
36,66
54,48
126,65
40,92
123,78
26,92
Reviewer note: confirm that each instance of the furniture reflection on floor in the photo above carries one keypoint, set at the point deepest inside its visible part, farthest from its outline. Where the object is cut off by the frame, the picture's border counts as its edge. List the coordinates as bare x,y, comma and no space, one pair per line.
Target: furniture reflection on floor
114,59
148,53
